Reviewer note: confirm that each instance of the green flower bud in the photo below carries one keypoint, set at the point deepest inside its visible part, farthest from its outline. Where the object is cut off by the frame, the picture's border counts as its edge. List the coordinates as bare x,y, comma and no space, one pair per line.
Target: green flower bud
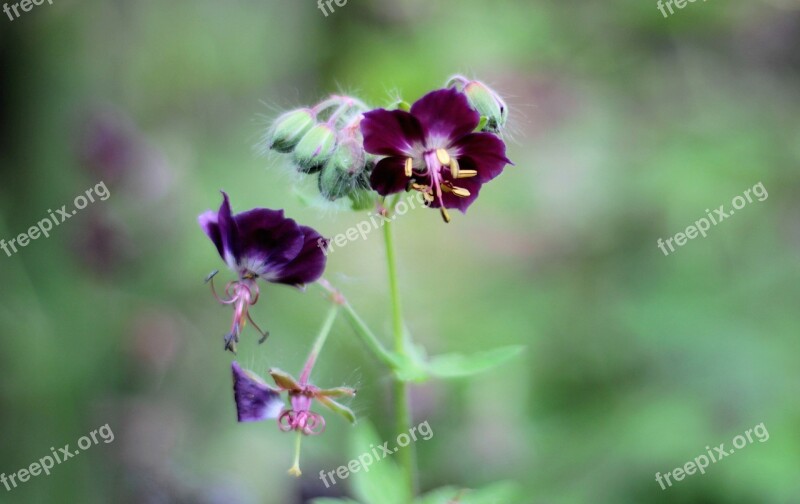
289,129
315,148
488,104
362,199
344,173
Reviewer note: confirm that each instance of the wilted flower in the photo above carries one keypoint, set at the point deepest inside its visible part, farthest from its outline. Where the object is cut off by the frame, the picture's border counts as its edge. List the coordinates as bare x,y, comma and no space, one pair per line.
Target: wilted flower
256,401
301,395
260,243
433,149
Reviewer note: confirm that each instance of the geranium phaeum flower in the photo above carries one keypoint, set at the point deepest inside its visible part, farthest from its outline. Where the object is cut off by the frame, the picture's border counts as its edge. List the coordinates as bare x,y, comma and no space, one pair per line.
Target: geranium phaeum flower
433,149
261,243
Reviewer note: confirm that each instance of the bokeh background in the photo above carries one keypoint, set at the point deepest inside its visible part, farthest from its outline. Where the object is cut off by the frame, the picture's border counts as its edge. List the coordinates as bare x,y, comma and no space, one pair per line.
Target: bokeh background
625,127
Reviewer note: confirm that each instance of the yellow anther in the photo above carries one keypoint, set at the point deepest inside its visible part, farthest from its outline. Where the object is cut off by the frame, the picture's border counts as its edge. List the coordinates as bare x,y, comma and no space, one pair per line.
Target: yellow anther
461,192
445,215
443,156
466,173
428,197
455,172
409,166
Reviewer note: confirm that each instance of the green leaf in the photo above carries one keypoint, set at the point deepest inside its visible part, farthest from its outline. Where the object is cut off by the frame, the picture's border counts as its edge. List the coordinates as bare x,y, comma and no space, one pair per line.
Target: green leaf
443,495
329,500
377,481
409,369
459,366
482,123
502,492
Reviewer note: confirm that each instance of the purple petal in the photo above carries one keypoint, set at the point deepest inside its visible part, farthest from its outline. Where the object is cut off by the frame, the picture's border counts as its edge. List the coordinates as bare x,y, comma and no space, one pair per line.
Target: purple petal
486,153
255,400
309,264
389,176
390,133
445,116
208,221
229,232
269,241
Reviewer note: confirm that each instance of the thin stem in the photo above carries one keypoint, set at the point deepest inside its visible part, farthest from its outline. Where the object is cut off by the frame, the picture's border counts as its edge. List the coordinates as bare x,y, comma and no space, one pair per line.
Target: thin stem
402,411
360,327
319,343
295,469
394,289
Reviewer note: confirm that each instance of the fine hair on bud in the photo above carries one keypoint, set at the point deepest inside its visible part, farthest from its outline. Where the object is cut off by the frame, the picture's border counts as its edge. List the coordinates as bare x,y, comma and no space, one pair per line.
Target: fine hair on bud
289,129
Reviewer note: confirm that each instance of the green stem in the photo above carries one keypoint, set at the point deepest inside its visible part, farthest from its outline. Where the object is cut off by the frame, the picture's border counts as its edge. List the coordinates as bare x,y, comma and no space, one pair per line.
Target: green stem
319,343
402,410
361,328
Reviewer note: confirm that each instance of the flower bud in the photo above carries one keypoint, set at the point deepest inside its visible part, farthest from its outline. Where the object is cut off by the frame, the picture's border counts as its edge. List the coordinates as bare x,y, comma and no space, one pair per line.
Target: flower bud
362,199
344,173
289,129
315,148
488,104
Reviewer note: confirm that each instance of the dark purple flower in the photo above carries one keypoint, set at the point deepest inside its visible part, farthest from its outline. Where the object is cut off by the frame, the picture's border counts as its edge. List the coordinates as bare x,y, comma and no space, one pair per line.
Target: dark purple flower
255,400
433,149
261,243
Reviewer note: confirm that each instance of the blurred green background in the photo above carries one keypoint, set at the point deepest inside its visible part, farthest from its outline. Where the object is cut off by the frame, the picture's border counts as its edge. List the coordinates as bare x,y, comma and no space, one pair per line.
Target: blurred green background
626,127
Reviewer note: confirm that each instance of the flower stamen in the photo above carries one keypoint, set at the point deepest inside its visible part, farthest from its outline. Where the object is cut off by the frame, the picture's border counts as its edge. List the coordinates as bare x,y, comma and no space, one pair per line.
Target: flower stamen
455,169
409,167
461,192
443,156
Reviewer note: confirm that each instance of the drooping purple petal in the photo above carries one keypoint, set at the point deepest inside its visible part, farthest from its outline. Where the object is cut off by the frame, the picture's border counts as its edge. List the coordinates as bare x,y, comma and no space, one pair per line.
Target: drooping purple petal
391,132
444,115
309,264
389,176
485,151
229,232
255,400
208,222
268,240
